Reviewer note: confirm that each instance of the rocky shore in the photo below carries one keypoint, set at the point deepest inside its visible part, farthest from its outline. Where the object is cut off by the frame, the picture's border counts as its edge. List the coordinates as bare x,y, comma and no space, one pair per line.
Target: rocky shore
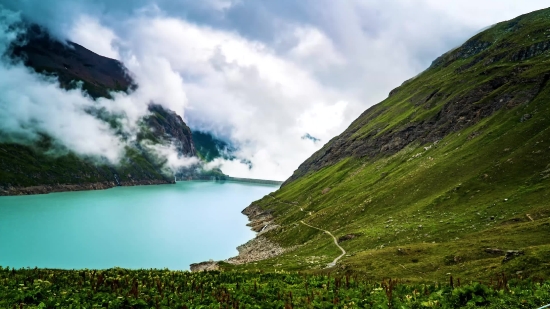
259,219
44,189
257,249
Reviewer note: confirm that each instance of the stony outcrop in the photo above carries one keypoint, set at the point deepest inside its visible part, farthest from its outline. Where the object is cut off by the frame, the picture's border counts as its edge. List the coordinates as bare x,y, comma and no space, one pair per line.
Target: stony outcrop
471,48
71,62
204,266
347,237
258,218
512,254
166,124
257,249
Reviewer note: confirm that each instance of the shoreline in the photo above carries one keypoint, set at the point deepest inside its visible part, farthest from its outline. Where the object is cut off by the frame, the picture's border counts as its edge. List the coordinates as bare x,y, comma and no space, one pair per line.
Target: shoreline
257,249
260,221
93,186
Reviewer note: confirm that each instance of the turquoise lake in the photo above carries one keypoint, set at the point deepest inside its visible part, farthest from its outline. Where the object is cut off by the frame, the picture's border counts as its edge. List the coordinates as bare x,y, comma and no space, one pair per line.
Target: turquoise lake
164,226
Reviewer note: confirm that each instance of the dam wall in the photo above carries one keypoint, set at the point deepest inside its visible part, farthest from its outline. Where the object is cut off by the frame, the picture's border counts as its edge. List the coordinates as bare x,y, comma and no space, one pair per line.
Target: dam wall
234,179
251,180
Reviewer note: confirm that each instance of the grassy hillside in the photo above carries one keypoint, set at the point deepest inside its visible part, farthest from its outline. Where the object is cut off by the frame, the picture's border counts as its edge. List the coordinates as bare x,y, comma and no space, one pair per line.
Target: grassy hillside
442,177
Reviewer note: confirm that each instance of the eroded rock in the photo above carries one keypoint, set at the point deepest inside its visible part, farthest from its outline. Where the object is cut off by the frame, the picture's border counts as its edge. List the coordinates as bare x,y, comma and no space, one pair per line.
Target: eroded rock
512,254
204,266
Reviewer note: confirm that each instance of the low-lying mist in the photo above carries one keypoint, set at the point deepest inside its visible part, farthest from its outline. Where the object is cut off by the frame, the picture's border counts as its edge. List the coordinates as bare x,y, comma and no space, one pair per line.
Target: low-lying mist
34,106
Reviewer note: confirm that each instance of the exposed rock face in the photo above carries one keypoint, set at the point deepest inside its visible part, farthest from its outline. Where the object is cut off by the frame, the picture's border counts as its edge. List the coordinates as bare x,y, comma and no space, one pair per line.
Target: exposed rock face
471,48
347,237
494,251
512,254
166,124
257,249
72,62
204,266
258,218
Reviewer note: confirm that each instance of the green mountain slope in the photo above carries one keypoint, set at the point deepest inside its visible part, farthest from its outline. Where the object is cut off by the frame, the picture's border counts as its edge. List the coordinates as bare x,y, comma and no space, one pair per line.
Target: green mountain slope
209,147
444,176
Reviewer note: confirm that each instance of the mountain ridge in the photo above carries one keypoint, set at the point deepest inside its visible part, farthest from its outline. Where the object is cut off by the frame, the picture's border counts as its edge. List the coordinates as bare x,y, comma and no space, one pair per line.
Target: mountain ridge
448,175
388,144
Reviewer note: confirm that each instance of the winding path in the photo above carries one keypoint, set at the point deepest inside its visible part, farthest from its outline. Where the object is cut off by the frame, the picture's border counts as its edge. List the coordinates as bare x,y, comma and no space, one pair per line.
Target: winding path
333,263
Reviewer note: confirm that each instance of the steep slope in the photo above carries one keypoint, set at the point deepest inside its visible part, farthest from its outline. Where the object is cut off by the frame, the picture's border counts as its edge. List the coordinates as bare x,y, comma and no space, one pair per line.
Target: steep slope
445,176
209,147
28,169
71,62
166,124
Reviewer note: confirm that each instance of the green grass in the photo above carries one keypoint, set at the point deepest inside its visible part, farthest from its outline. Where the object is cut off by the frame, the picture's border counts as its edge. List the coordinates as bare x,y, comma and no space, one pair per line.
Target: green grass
433,208
24,166
122,288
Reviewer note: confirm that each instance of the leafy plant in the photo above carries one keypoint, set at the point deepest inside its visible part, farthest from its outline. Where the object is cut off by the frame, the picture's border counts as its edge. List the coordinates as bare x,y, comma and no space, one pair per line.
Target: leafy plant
123,288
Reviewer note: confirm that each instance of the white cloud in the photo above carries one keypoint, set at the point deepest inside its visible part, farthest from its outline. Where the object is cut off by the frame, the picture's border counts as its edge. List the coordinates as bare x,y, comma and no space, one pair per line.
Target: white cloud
265,73
169,154
42,107
92,35
315,49
480,14
239,88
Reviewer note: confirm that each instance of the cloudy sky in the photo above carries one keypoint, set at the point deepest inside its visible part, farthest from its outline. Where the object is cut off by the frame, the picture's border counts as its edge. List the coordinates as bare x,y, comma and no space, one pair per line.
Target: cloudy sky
264,73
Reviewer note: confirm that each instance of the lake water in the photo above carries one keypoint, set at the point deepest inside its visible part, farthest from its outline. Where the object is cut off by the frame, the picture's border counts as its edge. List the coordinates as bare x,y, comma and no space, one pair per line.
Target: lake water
165,226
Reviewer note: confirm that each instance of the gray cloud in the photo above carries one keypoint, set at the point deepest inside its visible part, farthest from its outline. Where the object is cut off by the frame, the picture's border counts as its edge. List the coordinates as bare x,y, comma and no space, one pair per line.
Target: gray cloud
264,73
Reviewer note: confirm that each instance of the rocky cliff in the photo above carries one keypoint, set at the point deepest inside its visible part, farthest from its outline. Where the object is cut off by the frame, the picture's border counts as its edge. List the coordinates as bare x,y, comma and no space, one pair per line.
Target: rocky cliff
166,124
70,62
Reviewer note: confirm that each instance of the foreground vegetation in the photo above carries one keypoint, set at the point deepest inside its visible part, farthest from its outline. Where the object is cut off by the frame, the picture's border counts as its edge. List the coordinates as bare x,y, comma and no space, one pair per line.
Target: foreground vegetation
121,288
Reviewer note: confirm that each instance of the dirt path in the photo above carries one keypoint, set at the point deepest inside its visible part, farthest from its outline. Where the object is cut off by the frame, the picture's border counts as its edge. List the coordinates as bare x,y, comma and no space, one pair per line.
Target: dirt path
333,263
279,201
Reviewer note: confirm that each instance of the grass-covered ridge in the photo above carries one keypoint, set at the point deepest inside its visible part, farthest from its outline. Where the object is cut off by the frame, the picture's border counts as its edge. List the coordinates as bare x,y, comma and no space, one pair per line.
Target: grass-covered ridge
453,163
121,288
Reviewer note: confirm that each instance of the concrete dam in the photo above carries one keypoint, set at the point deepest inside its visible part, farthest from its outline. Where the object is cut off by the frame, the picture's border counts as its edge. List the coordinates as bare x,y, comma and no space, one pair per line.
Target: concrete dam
235,179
